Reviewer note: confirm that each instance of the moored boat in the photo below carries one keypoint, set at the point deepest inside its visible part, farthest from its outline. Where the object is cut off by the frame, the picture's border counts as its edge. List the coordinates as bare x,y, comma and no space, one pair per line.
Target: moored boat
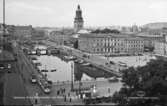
44,70
113,79
53,70
86,64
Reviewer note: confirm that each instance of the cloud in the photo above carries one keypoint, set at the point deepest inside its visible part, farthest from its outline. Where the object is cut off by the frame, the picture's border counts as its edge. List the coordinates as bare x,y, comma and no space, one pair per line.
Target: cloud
158,5
95,12
22,6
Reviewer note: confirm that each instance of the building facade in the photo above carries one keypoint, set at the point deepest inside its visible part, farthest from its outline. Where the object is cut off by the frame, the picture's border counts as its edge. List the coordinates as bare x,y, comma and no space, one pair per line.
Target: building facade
160,47
59,37
151,39
23,31
78,20
110,44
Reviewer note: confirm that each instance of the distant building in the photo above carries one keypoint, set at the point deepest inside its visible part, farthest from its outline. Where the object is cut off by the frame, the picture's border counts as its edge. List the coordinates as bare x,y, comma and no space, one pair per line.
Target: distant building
59,37
135,28
160,47
125,29
38,34
78,20
152,36
110,44
23,31
156,25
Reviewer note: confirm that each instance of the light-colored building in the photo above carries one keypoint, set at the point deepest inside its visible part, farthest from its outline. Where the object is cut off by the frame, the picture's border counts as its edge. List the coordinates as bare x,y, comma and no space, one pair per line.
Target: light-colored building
110,44
160,47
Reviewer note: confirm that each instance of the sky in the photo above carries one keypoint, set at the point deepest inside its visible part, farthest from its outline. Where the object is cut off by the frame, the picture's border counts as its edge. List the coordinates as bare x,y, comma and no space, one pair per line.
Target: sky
61,13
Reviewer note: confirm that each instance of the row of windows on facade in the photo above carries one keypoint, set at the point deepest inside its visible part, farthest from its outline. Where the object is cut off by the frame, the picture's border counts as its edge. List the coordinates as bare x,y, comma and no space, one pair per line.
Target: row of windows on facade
116,44
112,44
115,40
116,50
123,42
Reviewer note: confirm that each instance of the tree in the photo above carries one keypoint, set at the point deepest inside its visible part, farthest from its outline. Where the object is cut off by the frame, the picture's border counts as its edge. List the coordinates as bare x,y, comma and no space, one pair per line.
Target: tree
151,79
106,31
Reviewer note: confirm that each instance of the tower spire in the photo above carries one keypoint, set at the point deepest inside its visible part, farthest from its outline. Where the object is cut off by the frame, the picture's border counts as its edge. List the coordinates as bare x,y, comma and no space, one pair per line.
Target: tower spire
78,20
78,7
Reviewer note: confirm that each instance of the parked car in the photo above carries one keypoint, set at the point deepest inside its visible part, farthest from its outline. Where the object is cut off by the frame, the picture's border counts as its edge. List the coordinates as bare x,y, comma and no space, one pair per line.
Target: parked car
2,66
33,78
46,90
9,66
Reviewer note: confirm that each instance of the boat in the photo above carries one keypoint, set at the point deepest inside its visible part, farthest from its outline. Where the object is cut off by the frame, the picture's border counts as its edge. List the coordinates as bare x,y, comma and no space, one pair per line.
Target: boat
33,52
81,61
69,57
76,61
49,82
113,79
44,70
122,64
86,64
38,64
33,58
53,70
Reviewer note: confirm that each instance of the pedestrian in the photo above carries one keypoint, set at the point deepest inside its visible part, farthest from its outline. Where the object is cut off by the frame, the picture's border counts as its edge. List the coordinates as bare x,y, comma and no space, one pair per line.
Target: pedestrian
84,96
64,90
36,101
108,90
61,91
58,92
65,98
69,94
70,99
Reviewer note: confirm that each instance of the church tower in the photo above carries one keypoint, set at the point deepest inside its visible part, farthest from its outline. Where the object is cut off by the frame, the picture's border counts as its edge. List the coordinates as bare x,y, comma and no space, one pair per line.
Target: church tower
78,20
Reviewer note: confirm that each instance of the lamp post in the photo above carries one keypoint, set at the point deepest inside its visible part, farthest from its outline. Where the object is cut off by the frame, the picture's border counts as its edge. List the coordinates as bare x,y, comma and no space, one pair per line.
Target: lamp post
3,16
45,72
72,83
3,25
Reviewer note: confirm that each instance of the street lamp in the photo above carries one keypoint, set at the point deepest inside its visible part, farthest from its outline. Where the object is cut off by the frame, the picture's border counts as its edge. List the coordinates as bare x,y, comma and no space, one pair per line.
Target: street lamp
45,72
72,83
3,25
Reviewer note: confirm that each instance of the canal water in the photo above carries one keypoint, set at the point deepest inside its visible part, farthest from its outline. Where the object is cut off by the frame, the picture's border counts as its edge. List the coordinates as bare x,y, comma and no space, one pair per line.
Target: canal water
63,69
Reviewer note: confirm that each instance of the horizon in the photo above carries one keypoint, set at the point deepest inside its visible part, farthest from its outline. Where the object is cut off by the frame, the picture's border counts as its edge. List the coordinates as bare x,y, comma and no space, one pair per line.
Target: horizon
96,13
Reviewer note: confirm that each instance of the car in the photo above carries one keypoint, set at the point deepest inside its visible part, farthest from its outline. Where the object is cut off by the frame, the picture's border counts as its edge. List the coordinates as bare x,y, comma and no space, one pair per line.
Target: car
9,66
2,66
33,78
9,71
46,90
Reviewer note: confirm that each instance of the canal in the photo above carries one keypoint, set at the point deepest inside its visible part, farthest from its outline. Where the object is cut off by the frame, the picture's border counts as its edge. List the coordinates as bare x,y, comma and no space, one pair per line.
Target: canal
63,68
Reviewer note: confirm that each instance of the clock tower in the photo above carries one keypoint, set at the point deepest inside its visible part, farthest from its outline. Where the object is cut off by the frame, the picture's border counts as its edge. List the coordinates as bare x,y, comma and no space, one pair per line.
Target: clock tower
78,20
